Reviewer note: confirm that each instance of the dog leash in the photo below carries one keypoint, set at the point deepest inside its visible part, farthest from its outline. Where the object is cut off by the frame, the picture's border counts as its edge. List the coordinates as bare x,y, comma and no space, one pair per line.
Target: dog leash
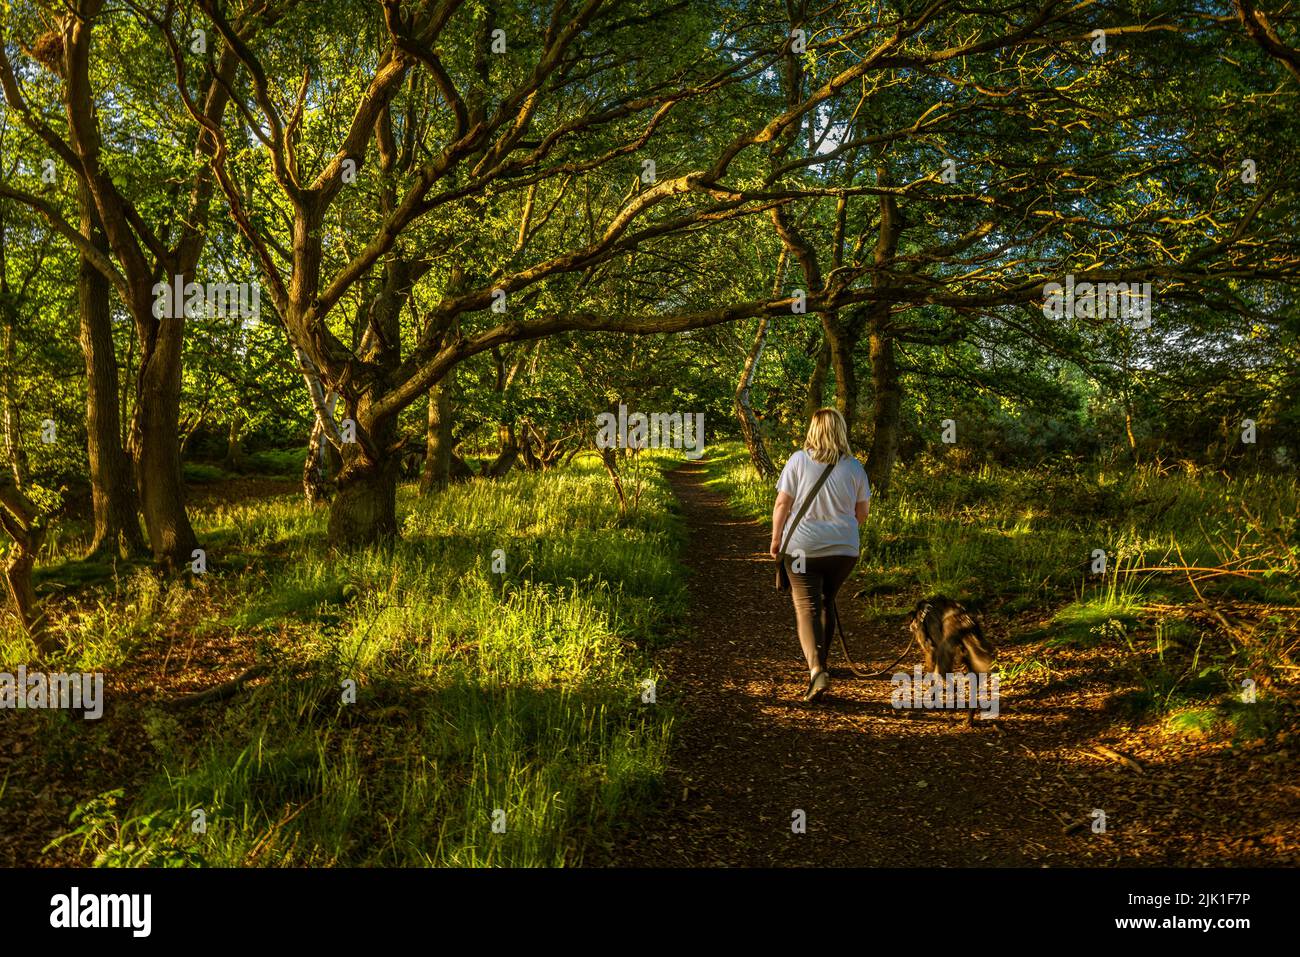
844,650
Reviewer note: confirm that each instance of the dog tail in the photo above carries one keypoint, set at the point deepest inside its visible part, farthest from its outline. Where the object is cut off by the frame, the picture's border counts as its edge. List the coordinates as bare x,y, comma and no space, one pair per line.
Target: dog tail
979,651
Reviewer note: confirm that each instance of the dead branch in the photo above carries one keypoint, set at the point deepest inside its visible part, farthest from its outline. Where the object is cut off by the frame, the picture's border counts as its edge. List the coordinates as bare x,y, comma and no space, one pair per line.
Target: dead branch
226,689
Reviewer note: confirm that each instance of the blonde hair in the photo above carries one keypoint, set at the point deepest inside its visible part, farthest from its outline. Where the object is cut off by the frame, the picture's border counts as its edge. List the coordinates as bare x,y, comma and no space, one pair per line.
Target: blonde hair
828,437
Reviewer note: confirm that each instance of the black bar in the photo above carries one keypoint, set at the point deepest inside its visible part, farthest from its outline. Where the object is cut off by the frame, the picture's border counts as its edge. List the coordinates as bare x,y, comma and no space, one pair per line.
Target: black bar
647,908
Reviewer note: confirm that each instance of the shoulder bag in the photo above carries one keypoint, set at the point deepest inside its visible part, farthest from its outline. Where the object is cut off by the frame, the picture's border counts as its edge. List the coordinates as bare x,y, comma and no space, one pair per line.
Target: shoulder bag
782,576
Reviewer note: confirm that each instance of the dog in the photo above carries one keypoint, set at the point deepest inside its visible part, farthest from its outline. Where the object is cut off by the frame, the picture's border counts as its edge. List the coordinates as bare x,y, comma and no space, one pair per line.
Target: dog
951,639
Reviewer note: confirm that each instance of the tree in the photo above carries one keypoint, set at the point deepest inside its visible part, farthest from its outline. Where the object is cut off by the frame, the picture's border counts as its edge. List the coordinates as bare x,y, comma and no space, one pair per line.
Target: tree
140,254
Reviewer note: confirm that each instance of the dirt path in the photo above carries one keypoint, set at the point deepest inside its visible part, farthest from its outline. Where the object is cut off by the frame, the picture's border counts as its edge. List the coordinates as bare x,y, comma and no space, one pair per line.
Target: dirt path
879,786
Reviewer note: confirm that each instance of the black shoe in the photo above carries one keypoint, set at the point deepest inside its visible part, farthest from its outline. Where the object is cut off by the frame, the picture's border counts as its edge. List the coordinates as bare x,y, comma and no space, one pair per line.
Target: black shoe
807,695
818,685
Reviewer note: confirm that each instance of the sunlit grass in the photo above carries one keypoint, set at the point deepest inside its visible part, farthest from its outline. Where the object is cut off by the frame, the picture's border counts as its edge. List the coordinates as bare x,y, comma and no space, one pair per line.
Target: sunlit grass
1020,542
499,657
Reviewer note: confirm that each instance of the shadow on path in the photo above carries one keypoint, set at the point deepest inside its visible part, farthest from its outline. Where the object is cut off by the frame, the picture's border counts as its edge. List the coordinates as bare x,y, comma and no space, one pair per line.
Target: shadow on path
878,787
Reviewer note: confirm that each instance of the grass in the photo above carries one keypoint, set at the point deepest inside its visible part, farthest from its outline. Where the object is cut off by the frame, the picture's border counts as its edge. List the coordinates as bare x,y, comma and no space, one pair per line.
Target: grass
424,709
472,695
1020,545
283,463
202,473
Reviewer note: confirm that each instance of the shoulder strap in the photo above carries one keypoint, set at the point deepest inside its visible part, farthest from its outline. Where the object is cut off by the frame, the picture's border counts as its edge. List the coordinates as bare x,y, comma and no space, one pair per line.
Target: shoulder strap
808,501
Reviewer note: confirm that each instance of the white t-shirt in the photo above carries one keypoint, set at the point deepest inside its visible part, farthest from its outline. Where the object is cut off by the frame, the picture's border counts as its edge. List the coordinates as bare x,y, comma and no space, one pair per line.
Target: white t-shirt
830,526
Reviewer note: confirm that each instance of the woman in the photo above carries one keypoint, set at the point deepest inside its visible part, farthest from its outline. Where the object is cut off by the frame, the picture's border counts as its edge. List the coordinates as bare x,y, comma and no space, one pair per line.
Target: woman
820,552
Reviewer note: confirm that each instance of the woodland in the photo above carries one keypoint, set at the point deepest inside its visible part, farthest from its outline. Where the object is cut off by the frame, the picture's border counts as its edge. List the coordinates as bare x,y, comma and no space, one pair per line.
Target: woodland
392,394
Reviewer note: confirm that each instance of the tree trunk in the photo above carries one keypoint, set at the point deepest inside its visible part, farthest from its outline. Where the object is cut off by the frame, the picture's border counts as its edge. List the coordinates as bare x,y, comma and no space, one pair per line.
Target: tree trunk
886,398
817,381
886,403
1128,402
364,508
744,410
21,521
529,453
154,442
323,461
14,450
540,453
460,469
437,457
503,463
117,525
235,460
509,454
363,511
844,342
320,467
610,461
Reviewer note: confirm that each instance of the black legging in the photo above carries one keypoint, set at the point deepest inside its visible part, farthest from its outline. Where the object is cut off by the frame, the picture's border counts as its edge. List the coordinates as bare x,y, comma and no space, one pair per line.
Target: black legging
813,593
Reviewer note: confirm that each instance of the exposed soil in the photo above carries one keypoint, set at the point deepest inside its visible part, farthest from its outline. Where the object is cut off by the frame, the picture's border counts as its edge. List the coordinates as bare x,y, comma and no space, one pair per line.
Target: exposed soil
887,787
